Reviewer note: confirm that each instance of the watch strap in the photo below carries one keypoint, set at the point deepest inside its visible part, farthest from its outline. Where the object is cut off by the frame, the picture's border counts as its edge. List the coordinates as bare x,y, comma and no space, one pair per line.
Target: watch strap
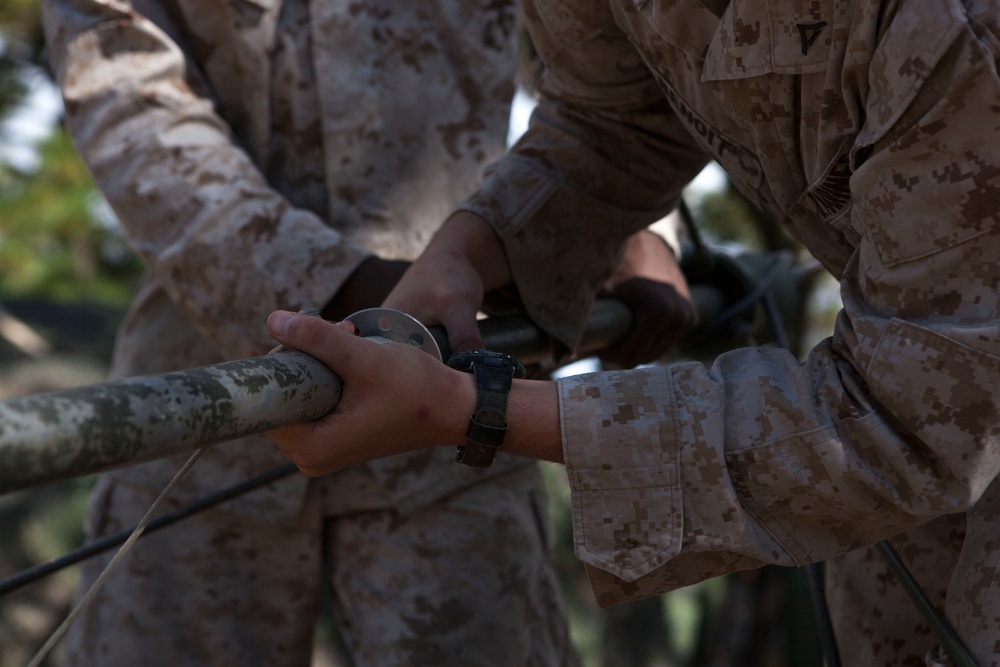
494,373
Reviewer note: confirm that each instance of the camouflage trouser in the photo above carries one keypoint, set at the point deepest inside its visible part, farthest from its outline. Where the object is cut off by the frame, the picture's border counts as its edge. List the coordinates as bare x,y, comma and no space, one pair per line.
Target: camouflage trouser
466,582
956,561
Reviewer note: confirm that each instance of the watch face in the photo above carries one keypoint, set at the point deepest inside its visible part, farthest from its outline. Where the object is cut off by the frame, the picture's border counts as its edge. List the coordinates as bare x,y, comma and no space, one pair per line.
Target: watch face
465,361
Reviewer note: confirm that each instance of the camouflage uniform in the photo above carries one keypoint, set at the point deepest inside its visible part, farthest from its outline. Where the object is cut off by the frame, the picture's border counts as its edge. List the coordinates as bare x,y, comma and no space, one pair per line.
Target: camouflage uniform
872,131
256,152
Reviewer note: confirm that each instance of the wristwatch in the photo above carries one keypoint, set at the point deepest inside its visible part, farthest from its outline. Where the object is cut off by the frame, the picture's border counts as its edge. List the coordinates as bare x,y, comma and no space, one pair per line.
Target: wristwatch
495,372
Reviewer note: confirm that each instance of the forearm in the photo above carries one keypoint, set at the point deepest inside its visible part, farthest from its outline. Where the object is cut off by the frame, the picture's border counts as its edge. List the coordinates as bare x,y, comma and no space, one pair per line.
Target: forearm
446,284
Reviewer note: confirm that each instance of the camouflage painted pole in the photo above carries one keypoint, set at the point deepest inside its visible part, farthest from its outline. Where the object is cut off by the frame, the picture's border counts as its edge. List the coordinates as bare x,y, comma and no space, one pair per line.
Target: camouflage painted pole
75,432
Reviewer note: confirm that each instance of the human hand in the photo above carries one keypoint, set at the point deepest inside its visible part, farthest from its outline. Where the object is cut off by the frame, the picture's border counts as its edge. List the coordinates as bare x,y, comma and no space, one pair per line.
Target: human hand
446,284
649,280
395,398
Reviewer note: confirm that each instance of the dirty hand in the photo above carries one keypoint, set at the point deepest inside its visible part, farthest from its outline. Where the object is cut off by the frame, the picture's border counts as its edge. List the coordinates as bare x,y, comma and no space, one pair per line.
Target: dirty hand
446,284
395,398
649,280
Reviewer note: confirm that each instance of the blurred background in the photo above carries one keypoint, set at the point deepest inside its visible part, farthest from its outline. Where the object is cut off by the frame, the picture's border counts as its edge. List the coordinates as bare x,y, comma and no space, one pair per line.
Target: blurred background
67,275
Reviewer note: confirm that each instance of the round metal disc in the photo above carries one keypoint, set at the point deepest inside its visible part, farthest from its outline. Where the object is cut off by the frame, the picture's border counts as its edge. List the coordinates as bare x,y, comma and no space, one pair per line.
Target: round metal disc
395,326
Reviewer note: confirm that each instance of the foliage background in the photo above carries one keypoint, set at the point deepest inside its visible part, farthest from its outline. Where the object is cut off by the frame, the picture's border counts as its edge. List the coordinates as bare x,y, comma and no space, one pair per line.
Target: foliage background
66,271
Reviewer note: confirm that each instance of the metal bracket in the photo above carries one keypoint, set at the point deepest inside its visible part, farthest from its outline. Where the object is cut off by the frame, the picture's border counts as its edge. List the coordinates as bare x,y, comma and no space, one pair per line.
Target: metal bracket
385,325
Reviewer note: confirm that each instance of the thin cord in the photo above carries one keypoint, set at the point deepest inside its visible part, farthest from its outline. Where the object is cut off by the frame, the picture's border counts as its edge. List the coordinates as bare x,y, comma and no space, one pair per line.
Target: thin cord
827,637
122,552
108,542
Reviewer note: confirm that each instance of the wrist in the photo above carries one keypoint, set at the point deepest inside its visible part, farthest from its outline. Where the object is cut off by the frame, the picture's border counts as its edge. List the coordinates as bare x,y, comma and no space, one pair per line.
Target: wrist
454,412
468,236
494,373
533,427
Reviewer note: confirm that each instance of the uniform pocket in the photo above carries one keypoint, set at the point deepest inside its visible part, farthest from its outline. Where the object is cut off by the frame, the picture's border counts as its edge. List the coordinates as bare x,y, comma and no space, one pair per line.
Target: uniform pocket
914,43
924,163
756,38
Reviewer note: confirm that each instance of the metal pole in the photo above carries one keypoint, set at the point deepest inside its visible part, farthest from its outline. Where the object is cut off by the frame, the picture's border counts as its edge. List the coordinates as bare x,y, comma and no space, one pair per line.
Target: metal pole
74,432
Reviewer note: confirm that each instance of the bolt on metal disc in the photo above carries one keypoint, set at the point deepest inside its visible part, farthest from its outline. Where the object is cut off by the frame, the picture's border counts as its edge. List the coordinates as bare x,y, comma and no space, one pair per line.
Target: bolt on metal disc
389,325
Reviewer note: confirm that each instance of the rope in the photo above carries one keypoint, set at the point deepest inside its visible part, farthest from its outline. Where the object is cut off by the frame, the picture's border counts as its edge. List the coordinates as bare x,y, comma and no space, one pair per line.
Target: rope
91,593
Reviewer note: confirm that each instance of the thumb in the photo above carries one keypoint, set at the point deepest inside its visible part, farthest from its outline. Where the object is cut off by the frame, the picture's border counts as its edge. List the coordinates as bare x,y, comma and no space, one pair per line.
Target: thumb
329,342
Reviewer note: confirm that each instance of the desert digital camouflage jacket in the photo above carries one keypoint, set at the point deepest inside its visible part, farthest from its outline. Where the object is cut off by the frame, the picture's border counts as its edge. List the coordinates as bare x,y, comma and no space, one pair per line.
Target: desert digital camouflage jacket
872,131
256,151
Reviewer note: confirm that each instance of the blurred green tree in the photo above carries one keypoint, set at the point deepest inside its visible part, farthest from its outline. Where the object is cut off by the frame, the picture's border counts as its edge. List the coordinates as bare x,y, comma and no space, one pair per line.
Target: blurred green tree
12,88
54,243
21,27
52,246
58,241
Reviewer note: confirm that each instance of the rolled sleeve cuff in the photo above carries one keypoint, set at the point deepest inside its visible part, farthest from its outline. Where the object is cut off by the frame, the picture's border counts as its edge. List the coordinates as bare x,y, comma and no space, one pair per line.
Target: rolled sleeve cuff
619,442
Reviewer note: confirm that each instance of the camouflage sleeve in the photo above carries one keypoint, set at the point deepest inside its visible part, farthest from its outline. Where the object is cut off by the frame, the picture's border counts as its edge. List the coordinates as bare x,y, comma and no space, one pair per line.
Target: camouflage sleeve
603,157
227,248
685,473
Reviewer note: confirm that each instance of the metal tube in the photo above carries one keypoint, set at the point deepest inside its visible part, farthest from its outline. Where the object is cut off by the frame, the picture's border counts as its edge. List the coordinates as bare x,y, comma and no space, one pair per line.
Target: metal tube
75,432
609,320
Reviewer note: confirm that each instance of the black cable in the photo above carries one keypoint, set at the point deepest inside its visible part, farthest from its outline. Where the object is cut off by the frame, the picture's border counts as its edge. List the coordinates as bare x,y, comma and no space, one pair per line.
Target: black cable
748,301
36,572
777,324
693,232
827,637
815,571
957,651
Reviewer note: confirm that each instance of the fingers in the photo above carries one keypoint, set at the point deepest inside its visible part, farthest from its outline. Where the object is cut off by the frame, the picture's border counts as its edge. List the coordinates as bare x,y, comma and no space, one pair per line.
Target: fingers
329,342
287,438
452,303
661,317
445,285
463,329
383,409
321,446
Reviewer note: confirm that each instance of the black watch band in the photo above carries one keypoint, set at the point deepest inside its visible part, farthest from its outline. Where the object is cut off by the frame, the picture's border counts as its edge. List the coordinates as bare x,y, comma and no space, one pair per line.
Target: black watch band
495,372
